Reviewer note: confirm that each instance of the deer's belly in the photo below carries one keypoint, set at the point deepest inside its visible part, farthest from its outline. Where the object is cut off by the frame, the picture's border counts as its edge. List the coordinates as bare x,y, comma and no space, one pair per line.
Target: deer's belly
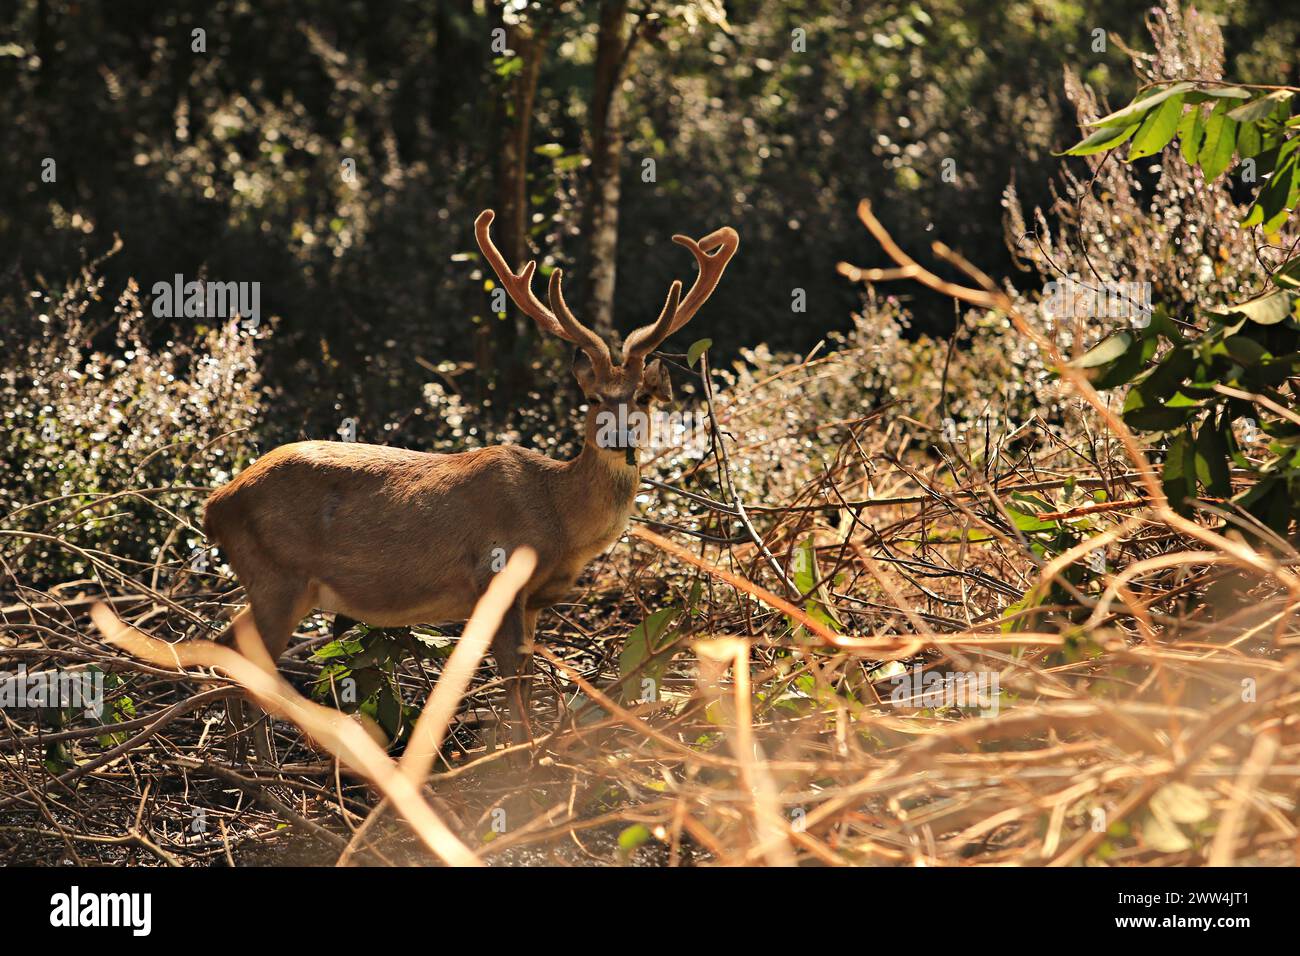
553,590
445,607
434,606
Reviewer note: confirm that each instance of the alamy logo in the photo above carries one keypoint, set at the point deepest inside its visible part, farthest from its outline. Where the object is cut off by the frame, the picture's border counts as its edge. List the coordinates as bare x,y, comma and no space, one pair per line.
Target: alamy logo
74,908
81,690
208,300
1074,298
933,689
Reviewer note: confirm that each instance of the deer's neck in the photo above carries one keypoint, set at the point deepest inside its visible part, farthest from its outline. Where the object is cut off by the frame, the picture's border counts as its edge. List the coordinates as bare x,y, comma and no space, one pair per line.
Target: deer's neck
601,489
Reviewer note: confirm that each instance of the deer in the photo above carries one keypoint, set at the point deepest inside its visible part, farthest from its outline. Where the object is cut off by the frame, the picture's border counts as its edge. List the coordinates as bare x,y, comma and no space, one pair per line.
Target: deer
394,538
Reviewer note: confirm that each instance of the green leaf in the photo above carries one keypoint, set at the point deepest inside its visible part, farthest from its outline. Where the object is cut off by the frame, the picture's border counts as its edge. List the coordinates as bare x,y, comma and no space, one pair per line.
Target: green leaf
697,591
1163,325
1244,350
1249,140
1180,400
1128,367
1259,109
1107,350
1118,359
1179,475
805,566
817,601
1146,411
1277,197
1139,108
1157,129
696,350
368,681
1028,522
507,66
1218,92
1288,277
1267,309
1268,501
645,640
1191,128
1166,378
334,649
1037,503
1219,145
632,838
57,758
1101,140
643,643
389,711
1212,459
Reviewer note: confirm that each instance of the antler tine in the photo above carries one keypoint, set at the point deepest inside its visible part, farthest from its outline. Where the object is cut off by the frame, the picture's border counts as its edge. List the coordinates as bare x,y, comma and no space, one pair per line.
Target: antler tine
643,341
712,253
576,332
518,286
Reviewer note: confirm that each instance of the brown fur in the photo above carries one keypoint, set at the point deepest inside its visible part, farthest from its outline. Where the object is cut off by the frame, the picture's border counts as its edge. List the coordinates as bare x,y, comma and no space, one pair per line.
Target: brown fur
404,537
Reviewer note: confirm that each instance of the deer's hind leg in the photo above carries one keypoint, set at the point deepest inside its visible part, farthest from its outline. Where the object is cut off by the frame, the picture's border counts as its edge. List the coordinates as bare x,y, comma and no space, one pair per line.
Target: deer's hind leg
276,605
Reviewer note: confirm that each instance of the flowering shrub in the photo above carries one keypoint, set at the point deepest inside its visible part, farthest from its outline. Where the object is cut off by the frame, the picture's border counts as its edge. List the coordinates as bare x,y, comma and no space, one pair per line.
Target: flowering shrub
83,422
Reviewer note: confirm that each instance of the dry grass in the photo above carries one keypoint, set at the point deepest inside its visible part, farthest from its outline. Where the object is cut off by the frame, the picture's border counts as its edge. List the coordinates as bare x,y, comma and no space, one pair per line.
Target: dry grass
1146,713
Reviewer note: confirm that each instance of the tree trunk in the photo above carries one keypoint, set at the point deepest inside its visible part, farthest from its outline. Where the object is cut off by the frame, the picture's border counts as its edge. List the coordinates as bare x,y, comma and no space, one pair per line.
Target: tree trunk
502,344
457,49
600,212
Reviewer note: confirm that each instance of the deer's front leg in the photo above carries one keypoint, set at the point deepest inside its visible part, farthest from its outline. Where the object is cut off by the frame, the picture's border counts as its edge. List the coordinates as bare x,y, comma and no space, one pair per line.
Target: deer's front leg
526,675
513,649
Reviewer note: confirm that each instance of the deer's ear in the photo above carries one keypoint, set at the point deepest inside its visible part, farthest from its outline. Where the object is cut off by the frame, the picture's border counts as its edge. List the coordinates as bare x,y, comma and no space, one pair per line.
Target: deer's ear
655,380
585,373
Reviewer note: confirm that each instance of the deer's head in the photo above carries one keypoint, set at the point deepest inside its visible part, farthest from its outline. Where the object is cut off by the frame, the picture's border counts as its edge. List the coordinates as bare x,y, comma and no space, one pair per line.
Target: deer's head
619,390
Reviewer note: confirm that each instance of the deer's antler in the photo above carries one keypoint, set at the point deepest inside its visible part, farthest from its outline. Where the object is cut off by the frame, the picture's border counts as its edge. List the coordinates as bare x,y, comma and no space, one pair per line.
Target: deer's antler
712,253
519,286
